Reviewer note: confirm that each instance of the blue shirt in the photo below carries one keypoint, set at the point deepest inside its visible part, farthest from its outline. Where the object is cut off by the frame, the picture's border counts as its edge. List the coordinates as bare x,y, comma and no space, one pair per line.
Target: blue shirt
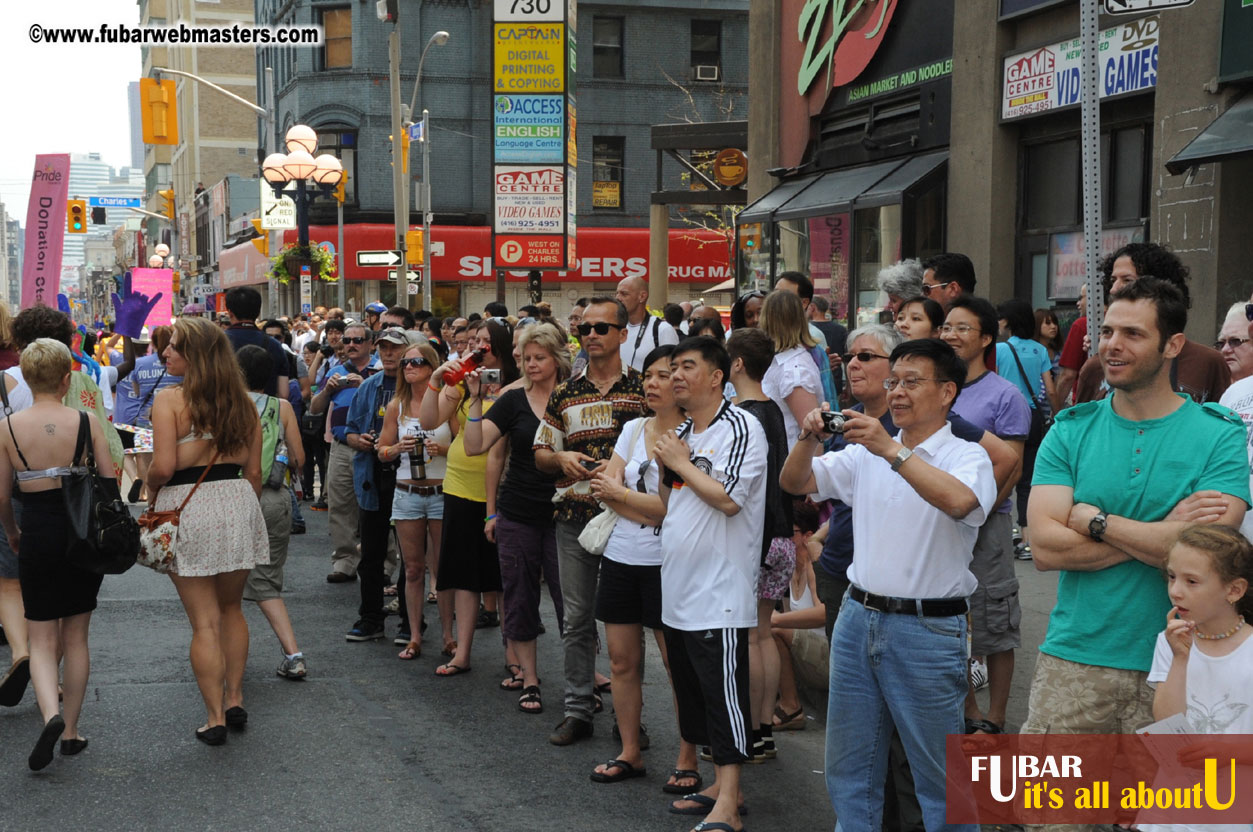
837,552
246,334
1035,360
133,400
364,414
343,399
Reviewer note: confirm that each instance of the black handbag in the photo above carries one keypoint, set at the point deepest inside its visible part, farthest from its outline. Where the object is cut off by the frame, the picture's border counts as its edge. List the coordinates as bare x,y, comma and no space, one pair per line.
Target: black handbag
103,536
1041,409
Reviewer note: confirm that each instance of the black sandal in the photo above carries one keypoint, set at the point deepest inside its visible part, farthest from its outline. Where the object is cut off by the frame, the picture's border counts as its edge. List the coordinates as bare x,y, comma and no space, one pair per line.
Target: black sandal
683,774
514,682
984,725
530,695
622,770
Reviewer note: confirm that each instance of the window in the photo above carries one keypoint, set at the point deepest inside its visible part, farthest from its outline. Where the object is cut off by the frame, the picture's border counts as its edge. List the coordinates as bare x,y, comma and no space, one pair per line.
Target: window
607,47
706,45
1053,185
336,38
608,154
341,143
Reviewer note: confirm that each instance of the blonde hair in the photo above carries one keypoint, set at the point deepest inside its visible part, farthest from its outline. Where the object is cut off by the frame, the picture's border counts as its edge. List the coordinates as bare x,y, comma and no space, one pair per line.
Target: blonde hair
213,386
6,327
550,338
404,393
45,363
783,319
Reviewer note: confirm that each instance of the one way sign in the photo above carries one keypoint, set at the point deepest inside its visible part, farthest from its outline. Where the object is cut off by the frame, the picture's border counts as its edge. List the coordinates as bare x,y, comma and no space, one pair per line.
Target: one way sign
1135,6
379,258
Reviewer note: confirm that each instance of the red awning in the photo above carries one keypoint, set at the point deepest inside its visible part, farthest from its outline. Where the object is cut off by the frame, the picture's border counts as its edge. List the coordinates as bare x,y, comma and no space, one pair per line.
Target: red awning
605,254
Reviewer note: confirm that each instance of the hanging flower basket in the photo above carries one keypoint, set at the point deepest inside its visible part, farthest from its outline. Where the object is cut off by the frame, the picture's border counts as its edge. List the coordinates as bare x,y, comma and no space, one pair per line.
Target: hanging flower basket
287,263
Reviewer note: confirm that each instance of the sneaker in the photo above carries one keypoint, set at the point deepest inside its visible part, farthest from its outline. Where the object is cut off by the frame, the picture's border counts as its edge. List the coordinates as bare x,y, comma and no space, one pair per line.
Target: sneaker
487,619
298,529
1016,535
340,578
1022,551
320,505
402,638
364,631
978,674
293,668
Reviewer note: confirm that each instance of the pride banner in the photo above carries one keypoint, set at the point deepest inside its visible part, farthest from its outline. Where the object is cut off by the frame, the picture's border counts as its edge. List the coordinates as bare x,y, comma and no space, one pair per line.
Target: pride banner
45,230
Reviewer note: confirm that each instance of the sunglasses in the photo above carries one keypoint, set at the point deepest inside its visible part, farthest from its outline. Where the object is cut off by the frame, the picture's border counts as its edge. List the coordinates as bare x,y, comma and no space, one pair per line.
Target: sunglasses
927,289
357,340
412,362
863,357
1233,342
601,328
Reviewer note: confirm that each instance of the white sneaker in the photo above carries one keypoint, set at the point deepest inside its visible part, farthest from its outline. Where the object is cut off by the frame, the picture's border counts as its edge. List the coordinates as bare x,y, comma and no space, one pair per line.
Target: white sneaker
978,674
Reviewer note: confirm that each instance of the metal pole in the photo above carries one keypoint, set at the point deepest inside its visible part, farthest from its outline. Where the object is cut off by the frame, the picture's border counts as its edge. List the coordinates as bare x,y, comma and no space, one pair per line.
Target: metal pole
427,215
398,170
275,236
341,289
1089,33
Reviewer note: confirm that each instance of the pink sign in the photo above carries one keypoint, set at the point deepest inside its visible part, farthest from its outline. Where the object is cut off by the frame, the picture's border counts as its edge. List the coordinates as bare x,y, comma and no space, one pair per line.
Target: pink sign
151,281
45,230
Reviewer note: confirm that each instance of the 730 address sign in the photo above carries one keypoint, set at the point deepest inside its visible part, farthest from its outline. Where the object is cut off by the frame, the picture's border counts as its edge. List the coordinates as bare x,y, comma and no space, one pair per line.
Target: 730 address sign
529,10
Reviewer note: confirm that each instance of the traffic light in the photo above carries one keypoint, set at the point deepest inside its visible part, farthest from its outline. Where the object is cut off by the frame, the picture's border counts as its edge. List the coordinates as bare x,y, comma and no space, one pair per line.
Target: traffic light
388,11
97,216
414,252
76,216
158,111
535,286
340,192
168,207
262,243
176,281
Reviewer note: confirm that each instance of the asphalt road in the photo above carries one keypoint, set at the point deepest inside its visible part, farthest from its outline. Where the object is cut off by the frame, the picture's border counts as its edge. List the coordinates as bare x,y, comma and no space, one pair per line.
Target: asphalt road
368,741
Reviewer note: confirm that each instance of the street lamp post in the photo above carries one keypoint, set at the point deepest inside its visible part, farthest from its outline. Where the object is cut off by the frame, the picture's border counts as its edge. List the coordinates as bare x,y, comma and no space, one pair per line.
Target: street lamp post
438,39
301,166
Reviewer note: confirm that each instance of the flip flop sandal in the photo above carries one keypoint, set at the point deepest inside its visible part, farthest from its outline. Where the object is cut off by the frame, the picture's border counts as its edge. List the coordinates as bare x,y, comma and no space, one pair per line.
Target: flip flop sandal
514,682
715,826
605,687
412,650
794,721
431,598
684,774
13,687
450,649
622,771
984,725
530,695
703,804
450,669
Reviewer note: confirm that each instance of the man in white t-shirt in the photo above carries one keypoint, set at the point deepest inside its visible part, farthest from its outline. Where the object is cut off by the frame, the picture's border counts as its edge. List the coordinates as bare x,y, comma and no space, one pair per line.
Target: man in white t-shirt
898,649
644,332
714,490
1239,397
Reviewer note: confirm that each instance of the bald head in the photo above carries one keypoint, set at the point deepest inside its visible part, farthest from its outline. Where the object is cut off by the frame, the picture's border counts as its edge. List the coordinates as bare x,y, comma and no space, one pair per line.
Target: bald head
633,294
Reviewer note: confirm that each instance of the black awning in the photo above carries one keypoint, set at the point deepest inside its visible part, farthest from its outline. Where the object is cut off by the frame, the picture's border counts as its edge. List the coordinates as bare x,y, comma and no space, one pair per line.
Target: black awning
913,176
763,209
835,191
1231,134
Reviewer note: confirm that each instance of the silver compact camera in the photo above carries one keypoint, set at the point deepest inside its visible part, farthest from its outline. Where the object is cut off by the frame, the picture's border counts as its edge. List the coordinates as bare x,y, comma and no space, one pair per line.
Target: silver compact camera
489,376
833,422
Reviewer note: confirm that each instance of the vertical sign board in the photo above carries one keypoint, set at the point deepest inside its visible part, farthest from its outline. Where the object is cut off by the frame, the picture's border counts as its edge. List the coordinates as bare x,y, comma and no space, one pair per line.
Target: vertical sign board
533,133
45,230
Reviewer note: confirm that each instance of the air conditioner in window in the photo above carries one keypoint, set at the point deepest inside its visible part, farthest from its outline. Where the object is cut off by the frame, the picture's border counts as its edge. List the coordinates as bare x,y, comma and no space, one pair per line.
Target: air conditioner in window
706,72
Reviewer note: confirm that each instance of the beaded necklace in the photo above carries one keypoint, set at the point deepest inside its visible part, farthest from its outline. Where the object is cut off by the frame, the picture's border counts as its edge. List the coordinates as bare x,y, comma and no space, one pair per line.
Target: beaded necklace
1220,636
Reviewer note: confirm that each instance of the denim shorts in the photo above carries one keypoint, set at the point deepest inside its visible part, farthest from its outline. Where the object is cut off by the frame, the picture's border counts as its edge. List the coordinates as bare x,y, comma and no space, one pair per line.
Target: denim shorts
406,506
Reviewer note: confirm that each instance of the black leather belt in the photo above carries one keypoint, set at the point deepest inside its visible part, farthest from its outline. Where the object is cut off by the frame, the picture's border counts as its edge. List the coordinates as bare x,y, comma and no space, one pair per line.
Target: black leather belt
930,607
420,490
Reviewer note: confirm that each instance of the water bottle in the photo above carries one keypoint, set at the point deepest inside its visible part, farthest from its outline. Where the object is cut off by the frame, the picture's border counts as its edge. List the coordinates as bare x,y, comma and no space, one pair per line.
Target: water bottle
417,457
278,471
468,365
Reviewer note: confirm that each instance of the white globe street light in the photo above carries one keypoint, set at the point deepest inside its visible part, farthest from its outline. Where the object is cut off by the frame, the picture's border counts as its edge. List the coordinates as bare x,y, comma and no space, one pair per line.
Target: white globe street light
273,169
302,137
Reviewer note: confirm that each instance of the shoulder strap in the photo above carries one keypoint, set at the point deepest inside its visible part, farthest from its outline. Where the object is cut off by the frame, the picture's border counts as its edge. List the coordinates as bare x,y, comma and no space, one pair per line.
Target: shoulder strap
84,435
1023,373
4,394
203,474
656,331
635,437
151,392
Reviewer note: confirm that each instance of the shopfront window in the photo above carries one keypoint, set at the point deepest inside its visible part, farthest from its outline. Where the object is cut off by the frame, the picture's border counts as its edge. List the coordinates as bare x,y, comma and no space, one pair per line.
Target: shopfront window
877,243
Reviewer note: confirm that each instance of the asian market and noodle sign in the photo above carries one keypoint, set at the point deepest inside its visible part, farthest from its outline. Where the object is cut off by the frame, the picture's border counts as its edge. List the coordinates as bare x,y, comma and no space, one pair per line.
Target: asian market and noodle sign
1049,78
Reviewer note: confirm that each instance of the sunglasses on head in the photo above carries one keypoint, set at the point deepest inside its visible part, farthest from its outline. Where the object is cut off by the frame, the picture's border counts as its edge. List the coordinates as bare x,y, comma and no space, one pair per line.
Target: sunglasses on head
601,328
416,361
355,340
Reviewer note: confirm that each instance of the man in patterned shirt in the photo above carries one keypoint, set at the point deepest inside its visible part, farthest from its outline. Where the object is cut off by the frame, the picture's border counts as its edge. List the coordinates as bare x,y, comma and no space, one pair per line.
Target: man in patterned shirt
575,439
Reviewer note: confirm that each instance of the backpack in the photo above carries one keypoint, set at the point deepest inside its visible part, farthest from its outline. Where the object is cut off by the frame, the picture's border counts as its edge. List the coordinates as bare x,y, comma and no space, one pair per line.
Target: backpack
272,444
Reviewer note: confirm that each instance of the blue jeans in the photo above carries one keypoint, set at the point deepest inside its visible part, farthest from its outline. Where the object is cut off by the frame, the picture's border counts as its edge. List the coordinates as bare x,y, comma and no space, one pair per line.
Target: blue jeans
892,670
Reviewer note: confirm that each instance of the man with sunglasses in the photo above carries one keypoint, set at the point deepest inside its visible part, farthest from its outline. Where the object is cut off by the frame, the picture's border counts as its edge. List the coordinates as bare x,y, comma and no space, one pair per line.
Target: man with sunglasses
946,276
337,394
575,440
899,644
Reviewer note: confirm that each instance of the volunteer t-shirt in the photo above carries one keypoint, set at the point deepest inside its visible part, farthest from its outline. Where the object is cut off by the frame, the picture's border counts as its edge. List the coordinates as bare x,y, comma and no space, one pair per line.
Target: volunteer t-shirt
709,561
996,405
789,370
1139,470
526,495
1239,397
636,544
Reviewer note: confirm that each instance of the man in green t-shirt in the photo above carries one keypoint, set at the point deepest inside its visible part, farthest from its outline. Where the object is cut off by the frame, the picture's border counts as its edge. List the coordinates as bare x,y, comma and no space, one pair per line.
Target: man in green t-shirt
1115,482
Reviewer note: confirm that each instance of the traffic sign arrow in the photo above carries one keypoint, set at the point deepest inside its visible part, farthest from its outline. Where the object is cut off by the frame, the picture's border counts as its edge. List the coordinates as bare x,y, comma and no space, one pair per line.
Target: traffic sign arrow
379,258
1133,6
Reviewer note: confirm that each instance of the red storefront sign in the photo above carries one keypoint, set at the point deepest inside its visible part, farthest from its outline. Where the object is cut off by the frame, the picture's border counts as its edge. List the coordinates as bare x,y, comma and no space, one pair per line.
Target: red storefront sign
604,254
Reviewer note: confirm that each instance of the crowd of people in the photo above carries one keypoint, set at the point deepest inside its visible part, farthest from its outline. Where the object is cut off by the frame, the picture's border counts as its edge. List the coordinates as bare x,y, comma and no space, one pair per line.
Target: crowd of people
723,488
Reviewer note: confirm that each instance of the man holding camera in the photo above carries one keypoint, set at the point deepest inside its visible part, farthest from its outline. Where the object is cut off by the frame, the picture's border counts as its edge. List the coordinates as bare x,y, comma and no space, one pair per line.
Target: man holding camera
898,650
337,393
575,439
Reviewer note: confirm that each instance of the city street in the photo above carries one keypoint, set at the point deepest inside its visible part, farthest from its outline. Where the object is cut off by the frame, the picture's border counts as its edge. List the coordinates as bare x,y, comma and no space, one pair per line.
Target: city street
368,741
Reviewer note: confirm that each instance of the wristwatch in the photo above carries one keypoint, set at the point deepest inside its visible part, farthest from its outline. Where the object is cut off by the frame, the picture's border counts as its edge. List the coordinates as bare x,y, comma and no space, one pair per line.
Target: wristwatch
901,455
1096,526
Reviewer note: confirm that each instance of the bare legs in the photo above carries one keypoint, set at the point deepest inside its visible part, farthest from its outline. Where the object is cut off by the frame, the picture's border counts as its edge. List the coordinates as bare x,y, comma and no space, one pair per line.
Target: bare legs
789,697
626,658
467,604
1000,675
413,537
48,639
766,689
13,617
275,612
219,638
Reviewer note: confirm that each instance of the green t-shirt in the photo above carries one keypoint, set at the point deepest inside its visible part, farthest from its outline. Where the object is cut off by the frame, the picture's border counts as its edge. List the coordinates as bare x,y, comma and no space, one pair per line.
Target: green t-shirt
1139,470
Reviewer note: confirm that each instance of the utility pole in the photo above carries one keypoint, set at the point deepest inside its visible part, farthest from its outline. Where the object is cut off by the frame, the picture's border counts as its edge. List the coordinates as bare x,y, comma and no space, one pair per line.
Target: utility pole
399,200
275,235
427,215
1090,121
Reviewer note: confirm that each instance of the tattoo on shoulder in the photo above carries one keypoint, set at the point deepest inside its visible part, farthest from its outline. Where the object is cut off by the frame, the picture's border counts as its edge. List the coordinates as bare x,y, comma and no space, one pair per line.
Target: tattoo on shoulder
50,429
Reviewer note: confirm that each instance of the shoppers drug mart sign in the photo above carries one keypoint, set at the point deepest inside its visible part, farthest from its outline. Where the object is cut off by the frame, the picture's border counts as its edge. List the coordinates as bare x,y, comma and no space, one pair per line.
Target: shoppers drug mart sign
1048,78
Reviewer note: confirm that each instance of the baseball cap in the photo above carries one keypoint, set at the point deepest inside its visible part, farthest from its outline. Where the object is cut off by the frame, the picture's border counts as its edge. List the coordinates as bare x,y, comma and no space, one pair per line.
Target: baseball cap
404,337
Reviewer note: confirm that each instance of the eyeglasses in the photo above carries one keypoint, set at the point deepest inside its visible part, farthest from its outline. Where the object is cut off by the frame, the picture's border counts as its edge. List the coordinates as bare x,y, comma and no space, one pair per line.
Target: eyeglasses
927,288
601,328
357,340
961,329
416,361
1232,342
502,321
891,384
863,357
1248,311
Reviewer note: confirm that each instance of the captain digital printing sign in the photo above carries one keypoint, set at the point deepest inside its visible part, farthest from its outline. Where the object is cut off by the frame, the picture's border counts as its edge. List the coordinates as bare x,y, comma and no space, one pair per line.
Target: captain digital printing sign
529,128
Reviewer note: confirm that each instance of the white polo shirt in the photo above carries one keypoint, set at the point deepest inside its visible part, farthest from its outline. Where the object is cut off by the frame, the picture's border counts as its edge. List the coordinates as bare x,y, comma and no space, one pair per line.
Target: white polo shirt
709,561
903,546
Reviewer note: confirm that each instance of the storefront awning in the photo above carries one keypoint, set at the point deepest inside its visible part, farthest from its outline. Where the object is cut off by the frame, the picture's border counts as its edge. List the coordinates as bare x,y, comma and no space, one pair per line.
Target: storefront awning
915,175
835,191
763,209
1231,134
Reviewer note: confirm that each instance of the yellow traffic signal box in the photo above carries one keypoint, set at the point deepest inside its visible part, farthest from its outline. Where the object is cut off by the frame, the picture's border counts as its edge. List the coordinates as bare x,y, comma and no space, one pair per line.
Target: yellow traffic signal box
158,111
76,216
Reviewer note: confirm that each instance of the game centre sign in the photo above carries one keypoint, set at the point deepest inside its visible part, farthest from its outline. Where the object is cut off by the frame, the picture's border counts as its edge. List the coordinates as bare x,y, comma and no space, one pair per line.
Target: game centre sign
1048,78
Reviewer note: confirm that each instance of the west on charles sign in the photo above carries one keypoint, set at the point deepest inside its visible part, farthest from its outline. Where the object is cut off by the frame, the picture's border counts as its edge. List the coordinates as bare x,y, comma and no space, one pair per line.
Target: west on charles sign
604,254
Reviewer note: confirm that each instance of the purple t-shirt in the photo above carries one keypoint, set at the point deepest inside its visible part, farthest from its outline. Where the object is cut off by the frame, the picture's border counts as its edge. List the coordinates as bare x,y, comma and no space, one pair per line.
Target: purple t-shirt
996,405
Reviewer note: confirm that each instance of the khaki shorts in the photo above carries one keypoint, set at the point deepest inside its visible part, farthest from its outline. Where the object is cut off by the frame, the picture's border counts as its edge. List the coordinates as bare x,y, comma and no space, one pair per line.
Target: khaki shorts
265,581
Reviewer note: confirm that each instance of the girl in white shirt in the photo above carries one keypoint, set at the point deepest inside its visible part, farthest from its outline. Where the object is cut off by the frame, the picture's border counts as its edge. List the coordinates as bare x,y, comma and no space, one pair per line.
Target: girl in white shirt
792,380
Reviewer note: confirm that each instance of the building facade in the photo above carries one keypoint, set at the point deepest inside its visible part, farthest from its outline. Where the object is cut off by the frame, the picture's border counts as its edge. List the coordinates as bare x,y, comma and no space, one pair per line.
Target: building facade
968,140
640,63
